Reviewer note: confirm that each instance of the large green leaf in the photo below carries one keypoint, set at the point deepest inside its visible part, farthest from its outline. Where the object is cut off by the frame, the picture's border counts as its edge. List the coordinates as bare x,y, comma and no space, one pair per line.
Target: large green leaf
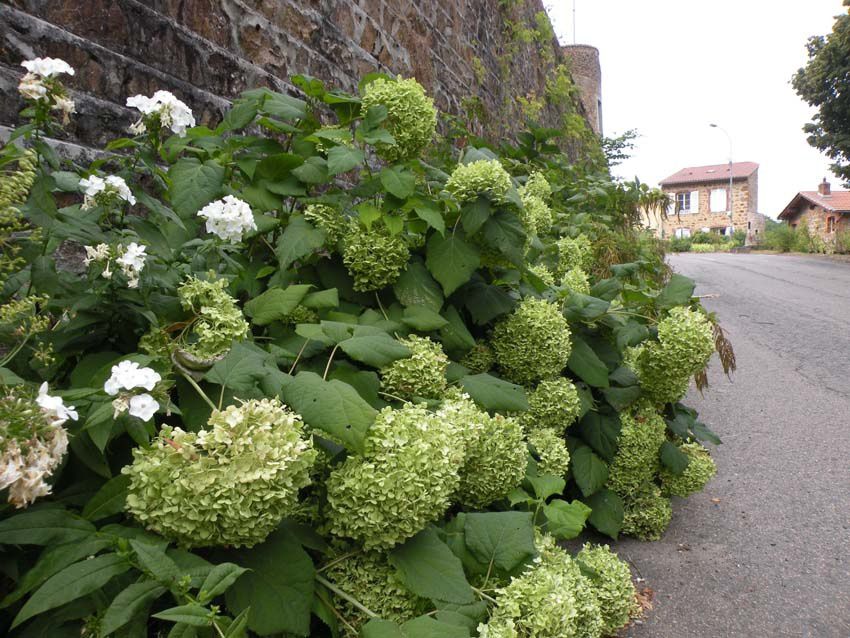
430,569
451,260
241,369
474,214
191,614
44,527
495,394
416,287
455,335
155,561
398,181
109,499
673,458
677,292
332,406
342,159
275,303
504,231
376,350
298,240
422,627
485,302
504,540
601,431
75,581
565,520
194,184
608,512
587,365
423,319
278,589
589,471
314,170
131,602
218,581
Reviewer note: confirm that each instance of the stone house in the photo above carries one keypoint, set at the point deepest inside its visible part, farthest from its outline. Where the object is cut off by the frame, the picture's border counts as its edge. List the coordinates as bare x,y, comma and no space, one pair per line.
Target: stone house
825,212
701,201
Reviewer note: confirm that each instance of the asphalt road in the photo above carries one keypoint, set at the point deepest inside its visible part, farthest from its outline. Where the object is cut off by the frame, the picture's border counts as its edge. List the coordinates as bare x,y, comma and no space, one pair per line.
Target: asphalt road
764,551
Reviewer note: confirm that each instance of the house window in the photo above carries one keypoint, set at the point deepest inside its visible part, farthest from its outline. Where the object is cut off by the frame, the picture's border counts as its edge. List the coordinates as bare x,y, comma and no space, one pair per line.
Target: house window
830,224
718,200
683,202
681,233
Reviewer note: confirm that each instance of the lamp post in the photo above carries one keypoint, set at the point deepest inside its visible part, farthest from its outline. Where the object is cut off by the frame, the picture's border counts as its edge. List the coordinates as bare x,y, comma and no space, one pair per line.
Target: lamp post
731,196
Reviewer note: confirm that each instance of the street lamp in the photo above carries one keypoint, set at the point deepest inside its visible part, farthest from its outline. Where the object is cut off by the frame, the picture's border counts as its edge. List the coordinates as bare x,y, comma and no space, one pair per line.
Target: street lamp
731,196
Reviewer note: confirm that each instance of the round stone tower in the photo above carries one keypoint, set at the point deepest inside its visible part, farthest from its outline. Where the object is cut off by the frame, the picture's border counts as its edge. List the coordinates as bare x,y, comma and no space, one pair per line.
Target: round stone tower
587,74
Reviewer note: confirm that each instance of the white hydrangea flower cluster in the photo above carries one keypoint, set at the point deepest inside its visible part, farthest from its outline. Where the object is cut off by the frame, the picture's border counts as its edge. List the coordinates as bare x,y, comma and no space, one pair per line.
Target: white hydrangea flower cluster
130,259
103,192
40,84
126,377
33,443
161,110
228,218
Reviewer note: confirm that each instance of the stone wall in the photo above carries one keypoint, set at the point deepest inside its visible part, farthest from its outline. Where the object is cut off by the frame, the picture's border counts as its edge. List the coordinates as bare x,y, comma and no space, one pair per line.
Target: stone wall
207,51
587,74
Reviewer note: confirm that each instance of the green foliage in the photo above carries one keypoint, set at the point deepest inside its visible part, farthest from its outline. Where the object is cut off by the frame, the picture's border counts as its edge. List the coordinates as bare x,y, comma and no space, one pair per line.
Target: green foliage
699,471
647,514
612,584
504,288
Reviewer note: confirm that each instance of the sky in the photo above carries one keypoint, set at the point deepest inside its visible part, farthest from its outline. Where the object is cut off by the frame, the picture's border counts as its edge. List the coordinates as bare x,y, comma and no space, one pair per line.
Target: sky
672,67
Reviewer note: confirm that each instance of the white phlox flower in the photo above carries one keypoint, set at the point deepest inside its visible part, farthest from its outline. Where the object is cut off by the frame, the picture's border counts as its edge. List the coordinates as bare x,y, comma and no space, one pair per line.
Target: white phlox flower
66,106
47,67
100,252
228,218
127,375
143,406
101,191
171,112
54,408
32,86
132,261
36,84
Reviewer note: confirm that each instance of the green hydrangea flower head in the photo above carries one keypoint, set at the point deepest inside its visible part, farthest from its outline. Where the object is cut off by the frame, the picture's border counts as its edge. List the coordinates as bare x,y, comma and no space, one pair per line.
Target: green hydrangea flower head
612,583
328,219
684,347
647,514
574,252
479,358
375,257
544,273
700,470
411,116
218,323
554,404
550,451
642,433
577,281
495,452
301,314
481,177
423,374
533,343
229,484
405,479
536,216
536,186
369,578
549,600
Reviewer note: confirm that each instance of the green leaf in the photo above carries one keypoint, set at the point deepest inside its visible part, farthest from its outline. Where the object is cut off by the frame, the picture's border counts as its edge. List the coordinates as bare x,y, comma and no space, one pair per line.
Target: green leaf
677,292
194,184
495,394
565,520
416,287
398,182
485,302
275,303
607,515
75,581
584,308
702,432
332,406
546,485
631,334
431,214
427,627
192,614
219,579
376,350
240,369
7,377
237,628
109,499
182,630
44,527
474,214
429,568
601,432
504,540
621,398
587,365
298,240
504,231
279,588
313,171
131,602
422,318
321,300
589,471
342,159
154,560
281,105
455,335
377,628
451,260
673,458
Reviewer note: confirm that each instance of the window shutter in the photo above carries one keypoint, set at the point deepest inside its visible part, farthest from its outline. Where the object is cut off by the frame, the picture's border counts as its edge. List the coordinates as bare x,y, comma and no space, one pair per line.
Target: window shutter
694,201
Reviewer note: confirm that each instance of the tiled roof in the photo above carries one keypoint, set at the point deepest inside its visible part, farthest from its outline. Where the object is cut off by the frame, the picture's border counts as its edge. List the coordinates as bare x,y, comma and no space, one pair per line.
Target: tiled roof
713,173
837,200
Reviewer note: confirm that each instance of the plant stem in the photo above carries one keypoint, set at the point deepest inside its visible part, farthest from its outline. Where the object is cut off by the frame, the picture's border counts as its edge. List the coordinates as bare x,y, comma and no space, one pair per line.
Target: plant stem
337,560
330,360
346,597
483,595
195,385
381,306
298,357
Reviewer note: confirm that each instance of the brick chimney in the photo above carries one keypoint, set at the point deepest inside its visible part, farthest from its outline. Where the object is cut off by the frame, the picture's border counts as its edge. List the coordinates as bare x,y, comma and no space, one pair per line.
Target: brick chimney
823,188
